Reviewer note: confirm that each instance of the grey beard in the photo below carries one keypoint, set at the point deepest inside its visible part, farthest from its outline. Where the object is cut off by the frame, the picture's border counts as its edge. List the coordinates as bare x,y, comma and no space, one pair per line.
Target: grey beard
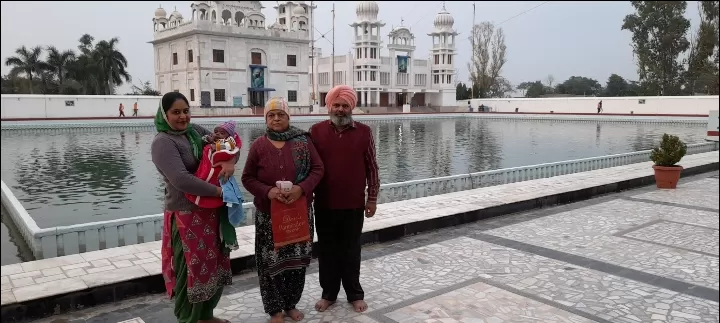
341,121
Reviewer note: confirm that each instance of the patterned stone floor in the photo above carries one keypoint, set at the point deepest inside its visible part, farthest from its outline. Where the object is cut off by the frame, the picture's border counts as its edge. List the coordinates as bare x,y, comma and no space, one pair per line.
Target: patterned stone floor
639,256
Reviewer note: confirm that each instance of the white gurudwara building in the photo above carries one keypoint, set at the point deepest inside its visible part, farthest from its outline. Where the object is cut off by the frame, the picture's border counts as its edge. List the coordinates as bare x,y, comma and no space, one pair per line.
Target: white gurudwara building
399,78
224,55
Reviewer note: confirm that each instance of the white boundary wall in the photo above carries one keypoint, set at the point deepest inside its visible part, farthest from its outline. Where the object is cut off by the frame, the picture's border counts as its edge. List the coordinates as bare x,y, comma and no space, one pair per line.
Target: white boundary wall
26,106
688,105
713,126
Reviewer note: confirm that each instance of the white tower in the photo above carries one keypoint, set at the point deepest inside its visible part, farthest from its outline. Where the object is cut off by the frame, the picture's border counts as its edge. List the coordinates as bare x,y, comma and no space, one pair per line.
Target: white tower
442,58
401,71
293,15
367,61
160,20
175,19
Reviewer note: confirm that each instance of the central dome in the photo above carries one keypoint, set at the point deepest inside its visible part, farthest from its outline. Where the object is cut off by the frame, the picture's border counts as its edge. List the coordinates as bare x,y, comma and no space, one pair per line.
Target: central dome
367,10
444,19
160,13
298,10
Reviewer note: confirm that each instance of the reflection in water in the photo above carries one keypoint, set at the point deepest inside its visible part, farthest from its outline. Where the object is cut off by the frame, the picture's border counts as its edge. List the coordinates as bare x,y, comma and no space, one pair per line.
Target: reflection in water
91,173
14,248
66,177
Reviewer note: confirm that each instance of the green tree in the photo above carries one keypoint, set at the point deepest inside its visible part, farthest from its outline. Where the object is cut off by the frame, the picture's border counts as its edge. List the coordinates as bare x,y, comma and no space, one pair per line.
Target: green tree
702,70
523,87
97,68
111,64
579,85
487,60
146,88
616,86
59,61
659,30
535,89
28,62
462,92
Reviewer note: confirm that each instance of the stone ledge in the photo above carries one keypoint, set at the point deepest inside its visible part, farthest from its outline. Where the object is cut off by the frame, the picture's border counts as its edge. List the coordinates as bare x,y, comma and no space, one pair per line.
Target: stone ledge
55,285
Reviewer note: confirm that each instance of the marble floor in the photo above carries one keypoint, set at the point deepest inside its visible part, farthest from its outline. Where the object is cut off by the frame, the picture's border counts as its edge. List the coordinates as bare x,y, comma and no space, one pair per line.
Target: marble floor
639,256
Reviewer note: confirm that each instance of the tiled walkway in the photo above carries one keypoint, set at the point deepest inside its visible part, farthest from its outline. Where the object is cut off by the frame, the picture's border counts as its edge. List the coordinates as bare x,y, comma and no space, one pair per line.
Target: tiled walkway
640,256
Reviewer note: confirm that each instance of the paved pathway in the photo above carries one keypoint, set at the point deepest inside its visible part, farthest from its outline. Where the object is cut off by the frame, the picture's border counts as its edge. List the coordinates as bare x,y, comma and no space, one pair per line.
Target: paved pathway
640,256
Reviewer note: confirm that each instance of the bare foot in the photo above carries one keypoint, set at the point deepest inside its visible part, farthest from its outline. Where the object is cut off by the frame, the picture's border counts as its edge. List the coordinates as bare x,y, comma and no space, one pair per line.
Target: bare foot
360,306
214,320
295,314
277,318
323,305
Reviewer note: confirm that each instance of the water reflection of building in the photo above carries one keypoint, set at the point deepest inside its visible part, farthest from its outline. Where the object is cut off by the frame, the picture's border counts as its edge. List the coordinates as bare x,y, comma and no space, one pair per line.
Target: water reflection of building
225,56
78,169
398,78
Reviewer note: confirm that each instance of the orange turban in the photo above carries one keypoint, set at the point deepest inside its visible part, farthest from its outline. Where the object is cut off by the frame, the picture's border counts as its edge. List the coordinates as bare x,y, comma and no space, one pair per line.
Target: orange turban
343,93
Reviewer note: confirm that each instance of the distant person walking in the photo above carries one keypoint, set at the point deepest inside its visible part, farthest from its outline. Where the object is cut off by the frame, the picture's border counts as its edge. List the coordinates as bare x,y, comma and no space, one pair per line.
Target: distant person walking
599,107
121,108
135,109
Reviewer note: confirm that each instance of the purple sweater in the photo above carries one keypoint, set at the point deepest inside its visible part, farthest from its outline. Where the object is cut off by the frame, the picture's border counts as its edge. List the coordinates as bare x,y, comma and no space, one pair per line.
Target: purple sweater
266,164
172,155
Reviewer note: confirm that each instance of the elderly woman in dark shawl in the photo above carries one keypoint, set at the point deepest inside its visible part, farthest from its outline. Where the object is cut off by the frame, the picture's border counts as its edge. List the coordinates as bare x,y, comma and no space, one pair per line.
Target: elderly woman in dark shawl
285,153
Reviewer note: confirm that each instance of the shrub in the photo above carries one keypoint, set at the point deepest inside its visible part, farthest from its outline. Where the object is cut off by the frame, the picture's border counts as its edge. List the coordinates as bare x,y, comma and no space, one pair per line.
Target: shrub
670,151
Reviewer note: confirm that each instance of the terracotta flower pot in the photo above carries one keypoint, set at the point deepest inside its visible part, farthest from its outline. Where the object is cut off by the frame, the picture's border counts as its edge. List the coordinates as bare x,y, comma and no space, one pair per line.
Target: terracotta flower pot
667,177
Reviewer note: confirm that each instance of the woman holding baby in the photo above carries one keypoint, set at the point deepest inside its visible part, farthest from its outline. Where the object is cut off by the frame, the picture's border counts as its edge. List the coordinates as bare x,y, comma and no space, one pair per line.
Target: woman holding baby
194,264
284,154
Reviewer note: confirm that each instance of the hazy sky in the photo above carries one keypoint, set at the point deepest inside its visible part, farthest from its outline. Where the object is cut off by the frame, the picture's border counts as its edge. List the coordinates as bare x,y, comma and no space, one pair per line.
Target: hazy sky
542,38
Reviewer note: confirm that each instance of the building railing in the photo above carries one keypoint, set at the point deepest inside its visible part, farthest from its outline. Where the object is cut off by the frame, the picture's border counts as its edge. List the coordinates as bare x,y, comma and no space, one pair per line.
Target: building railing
64,240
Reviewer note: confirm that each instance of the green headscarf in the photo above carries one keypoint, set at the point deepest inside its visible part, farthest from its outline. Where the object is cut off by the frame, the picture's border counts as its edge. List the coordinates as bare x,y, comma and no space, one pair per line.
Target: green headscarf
227,231
162,125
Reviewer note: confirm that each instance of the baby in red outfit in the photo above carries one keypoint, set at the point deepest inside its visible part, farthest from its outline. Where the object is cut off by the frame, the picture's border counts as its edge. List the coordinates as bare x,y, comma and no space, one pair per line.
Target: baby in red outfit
223,145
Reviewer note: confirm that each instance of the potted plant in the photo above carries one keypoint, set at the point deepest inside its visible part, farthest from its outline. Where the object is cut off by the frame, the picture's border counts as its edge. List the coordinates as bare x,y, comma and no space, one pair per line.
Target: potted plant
666,157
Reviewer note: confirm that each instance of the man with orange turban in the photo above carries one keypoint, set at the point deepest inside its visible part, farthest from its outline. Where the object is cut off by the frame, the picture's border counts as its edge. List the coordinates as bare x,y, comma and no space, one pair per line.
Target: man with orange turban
347,149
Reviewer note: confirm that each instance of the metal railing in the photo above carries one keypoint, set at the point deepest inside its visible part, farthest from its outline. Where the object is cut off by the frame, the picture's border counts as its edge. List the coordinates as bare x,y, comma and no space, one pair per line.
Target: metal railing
64,240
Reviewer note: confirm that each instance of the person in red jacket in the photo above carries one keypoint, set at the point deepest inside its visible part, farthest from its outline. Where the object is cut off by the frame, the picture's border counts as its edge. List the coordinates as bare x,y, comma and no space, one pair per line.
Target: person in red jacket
347,150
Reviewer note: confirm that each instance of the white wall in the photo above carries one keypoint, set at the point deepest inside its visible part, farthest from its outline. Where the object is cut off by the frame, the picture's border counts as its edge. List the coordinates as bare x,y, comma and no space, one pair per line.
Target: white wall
653,105
27,106
96,106
712,130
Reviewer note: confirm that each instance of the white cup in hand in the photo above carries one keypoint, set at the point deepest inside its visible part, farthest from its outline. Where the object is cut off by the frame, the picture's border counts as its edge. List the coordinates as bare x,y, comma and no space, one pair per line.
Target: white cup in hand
284,186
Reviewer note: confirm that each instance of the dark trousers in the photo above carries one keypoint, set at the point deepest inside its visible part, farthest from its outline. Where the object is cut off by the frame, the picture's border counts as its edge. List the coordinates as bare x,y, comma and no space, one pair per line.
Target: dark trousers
339,255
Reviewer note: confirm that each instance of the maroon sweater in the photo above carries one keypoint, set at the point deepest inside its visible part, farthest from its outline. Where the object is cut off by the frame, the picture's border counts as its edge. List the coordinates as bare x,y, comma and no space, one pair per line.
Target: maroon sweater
350,163
266,164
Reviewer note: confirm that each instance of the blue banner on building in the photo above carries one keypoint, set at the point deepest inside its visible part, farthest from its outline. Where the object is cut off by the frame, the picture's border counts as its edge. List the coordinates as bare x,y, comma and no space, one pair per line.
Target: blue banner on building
402,62
257,77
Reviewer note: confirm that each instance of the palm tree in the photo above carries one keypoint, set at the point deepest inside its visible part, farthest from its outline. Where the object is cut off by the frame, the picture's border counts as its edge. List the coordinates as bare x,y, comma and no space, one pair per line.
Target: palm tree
47,82
27,61
95,68
111,64
60,61
84,71
86,44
